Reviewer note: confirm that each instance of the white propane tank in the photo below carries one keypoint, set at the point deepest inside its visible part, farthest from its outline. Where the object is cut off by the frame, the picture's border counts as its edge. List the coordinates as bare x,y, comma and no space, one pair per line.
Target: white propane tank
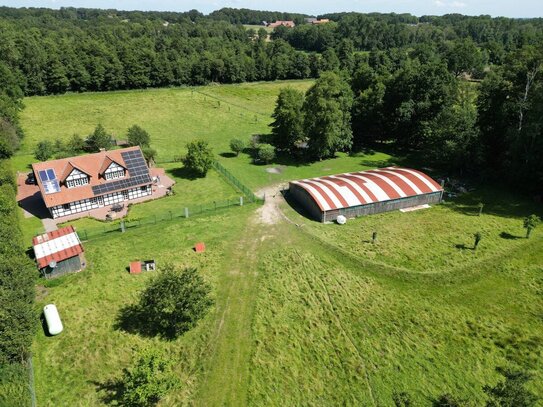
341,220
54,324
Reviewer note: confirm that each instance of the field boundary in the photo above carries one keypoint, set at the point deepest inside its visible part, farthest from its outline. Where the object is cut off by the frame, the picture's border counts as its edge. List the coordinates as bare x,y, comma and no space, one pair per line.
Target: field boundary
248,193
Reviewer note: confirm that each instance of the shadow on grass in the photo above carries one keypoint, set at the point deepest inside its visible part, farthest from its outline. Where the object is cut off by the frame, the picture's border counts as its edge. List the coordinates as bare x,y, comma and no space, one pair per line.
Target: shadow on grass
509,236
228,155
110,391
185,173
44,326
462,246
135,320
497,201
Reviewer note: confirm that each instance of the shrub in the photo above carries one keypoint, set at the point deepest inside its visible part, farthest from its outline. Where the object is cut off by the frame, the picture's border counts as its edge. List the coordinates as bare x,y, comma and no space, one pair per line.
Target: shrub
44,150
266,153
148,380
237,145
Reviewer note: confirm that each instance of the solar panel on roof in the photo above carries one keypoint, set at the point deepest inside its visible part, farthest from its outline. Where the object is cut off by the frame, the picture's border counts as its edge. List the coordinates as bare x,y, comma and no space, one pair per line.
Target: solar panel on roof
49,181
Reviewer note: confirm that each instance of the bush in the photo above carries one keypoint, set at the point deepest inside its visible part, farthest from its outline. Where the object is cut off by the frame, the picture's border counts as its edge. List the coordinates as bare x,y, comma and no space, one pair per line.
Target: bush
44,150
148,380
237,145
266,153
199,158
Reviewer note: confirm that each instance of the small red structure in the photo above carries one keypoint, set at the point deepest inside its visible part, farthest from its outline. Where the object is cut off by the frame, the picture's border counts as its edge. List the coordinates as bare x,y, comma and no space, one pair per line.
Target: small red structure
200,247
135,267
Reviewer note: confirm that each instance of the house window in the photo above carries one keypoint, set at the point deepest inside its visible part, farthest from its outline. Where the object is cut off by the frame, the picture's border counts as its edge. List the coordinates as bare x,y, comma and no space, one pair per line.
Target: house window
144,188
66,207
76,182
115,174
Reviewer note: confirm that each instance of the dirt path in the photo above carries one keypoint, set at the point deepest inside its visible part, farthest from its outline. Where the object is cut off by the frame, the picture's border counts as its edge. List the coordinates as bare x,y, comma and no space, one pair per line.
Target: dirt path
227,378
270,213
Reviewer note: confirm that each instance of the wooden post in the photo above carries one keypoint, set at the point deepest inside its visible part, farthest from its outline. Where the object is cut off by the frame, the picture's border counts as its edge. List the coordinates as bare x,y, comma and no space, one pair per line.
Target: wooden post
374,237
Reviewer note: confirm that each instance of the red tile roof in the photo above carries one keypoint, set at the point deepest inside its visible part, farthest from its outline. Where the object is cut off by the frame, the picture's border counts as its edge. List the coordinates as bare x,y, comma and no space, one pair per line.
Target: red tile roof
91,164
57,246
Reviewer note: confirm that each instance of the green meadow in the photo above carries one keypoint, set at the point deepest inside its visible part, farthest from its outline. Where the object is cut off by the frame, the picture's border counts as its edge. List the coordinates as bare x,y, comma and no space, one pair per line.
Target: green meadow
305,313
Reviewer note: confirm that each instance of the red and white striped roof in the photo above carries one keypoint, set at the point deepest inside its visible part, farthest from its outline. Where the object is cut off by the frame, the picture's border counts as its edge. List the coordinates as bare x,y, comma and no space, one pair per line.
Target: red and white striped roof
56,246
365,187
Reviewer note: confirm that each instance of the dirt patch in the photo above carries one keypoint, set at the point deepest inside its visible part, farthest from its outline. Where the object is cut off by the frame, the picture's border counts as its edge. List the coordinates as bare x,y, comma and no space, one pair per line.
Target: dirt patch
270,213
41,292
274,170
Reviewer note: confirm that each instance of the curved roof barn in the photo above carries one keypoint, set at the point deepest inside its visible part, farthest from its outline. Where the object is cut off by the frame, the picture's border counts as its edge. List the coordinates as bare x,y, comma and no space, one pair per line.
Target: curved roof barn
368,187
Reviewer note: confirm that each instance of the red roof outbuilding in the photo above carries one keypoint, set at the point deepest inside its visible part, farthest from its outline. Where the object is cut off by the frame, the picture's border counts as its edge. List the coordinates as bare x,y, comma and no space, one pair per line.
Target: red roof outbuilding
58,245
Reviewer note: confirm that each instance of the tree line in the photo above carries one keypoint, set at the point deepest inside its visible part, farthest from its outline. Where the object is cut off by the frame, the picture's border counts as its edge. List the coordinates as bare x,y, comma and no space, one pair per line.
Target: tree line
415,103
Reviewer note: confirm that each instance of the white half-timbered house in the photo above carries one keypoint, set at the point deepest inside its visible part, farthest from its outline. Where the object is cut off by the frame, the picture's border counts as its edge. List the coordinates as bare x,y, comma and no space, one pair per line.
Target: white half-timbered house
78,184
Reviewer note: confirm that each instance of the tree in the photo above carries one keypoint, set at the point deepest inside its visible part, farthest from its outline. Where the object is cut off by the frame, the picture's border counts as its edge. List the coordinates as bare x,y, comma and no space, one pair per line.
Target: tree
266,152
98,139
174,301
327,112
137,136
512,391
148,380
237,145
149,154
44,150
199,158
530,223
75,144
288,126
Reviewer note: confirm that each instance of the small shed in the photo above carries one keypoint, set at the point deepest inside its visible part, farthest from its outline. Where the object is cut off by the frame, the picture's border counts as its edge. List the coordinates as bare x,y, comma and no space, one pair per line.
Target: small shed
136,267
58,252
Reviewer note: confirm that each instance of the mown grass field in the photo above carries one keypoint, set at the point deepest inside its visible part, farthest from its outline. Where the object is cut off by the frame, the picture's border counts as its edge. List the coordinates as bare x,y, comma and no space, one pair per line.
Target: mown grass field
305,313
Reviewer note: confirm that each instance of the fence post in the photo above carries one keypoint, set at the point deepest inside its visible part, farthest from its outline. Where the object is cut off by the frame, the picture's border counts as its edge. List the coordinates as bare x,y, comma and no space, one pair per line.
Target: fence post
122,226
240,201
186,212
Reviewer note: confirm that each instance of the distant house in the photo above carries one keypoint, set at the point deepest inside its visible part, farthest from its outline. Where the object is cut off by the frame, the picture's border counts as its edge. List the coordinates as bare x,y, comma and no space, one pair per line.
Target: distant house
322,21
58,252
78,184
309,20
283,23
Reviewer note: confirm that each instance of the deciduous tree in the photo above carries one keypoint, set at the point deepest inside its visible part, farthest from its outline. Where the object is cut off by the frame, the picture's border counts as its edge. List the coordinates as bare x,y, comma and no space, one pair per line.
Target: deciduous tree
199,157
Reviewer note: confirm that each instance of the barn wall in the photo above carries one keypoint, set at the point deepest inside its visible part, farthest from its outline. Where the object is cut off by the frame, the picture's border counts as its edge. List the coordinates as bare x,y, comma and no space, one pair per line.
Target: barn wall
305,200
386,206
63,267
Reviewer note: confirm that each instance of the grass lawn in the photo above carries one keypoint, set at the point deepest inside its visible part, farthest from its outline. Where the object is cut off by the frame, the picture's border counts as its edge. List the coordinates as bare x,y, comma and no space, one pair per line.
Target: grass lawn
436,239
172,116
72,368
305,313
298,320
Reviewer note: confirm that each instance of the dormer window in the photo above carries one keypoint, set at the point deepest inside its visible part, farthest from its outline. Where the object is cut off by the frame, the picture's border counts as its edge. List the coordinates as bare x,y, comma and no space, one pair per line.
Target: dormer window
76,179
114,171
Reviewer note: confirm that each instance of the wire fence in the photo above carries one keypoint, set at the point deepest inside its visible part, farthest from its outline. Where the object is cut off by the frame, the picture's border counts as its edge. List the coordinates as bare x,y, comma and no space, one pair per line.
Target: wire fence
235,182
123,225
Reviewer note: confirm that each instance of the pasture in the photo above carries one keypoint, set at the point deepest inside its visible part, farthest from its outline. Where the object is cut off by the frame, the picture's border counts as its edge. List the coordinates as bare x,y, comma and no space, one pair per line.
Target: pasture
305,313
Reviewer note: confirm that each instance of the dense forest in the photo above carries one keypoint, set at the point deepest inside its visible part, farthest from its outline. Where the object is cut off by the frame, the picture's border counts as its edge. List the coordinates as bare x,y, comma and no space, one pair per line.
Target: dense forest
409,76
